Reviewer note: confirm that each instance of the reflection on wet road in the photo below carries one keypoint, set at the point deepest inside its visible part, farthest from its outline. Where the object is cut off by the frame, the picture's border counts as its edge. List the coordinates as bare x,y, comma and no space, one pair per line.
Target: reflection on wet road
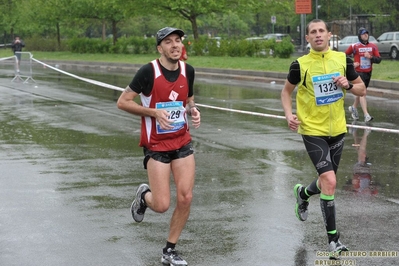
70,164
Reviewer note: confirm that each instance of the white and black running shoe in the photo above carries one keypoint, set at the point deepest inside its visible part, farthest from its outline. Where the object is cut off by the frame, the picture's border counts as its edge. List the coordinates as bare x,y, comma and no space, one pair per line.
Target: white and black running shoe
138,206
170,257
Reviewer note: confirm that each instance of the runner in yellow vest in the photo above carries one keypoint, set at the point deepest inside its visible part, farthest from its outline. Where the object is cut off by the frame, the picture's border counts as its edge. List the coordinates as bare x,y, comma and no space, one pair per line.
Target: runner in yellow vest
323,78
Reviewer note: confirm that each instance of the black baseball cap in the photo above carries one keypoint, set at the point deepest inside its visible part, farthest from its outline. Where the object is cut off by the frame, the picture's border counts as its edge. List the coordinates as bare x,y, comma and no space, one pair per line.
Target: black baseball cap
162,33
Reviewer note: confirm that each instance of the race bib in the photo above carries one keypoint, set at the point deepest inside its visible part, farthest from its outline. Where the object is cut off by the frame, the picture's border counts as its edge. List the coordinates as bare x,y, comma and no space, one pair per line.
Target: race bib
365,63
176,112
325,90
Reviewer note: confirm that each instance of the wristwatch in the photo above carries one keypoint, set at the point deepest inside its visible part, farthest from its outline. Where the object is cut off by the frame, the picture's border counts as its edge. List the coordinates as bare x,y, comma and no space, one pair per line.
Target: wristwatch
189,109
350,86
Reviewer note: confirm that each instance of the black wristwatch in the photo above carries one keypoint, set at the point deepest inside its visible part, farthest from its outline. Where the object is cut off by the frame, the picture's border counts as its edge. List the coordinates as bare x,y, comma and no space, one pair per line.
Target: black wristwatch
350,86
189,109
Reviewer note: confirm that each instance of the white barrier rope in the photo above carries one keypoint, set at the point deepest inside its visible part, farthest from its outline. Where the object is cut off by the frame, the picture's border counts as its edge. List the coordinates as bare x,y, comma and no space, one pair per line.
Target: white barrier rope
283,117
95,82
102,84
240,111
374,128
6,58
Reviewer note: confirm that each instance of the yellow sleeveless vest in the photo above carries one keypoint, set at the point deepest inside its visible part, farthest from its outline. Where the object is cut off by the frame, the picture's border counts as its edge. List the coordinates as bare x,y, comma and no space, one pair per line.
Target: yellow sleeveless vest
324,118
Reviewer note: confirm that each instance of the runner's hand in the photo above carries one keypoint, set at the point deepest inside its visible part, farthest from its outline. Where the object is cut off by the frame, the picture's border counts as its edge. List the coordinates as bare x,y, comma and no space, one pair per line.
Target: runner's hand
162,116
293,122
195,117
341,82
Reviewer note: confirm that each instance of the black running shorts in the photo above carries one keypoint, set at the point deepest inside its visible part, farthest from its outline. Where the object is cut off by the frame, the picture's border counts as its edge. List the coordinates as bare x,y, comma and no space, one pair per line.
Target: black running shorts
325,152
167,156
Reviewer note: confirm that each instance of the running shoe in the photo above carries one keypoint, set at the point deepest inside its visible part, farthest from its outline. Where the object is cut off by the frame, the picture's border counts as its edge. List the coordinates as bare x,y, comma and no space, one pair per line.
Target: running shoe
301,206
335,248
368,118
138,206
354,113
170,257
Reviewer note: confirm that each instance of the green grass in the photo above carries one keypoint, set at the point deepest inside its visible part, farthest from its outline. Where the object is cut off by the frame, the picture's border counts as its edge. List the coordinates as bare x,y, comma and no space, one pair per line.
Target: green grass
387,70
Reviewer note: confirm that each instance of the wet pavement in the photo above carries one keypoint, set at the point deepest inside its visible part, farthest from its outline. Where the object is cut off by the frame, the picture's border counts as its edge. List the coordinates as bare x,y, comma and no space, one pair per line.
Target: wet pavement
70,165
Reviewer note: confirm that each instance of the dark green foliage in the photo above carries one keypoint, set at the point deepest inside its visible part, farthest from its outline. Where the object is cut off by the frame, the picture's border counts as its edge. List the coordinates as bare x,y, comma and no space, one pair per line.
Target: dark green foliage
38,43
197,48
140,45
284,49
243,48
87,45
132,45
216,47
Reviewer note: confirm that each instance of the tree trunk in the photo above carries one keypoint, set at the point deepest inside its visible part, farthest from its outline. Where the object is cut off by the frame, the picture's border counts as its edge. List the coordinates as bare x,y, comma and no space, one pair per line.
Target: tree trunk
12,33
194,26
104,31
58,36
114,31
5,39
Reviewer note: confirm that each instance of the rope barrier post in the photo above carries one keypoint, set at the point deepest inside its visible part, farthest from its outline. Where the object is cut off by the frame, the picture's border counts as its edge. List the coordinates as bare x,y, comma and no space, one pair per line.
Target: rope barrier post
23,67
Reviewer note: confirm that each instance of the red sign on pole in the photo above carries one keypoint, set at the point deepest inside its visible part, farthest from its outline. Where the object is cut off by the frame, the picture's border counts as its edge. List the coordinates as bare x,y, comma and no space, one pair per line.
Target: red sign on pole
303,6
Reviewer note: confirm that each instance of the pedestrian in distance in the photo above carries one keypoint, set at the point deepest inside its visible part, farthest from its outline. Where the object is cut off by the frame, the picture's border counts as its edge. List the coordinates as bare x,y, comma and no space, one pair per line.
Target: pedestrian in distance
165,87
365,54
184,55
323,77
16,47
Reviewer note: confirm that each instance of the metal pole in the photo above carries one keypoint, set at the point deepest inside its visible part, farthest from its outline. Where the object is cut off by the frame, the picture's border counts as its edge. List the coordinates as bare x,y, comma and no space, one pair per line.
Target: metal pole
303,21
317,9
350,16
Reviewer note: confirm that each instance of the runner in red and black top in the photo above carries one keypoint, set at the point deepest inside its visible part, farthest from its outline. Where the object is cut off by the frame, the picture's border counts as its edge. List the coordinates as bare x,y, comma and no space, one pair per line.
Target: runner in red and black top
365,54
176,86
165,87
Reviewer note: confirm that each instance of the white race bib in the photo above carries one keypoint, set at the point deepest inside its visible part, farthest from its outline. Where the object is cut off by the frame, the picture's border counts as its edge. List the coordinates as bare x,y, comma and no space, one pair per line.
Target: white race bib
176,113
365,63
325,90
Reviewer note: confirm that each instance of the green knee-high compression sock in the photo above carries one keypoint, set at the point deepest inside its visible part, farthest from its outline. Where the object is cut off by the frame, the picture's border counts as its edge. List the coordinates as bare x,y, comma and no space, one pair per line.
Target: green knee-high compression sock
310,190
328,211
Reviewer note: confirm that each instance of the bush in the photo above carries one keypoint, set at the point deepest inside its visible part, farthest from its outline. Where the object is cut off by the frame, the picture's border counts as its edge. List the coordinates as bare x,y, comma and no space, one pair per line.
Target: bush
198,47
257,48
140,45
149,46
134,45
284,49
88,45
242,48
217,47
121,46
38,43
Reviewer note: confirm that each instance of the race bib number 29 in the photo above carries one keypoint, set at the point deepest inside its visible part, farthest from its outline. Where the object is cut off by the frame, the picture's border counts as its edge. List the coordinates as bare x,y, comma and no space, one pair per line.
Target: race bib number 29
176,112
325,90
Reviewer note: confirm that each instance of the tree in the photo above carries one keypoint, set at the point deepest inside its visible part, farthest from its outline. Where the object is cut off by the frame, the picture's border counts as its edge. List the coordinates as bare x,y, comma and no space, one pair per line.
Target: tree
103,10
233,18
192,10
386,11
10,15
48,16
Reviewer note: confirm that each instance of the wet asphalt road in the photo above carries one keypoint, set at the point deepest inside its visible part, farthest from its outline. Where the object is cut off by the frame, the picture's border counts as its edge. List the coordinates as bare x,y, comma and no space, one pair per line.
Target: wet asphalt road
70,165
